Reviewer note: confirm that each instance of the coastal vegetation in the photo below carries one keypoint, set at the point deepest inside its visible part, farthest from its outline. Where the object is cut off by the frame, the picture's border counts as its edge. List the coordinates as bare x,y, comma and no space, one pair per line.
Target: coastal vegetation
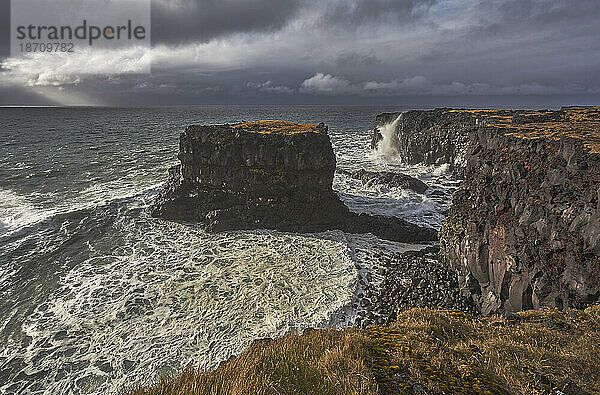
426,350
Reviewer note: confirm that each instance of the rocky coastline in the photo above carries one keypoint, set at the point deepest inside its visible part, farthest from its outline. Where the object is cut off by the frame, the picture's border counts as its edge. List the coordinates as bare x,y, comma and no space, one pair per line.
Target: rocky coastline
407,280
522,235
523,231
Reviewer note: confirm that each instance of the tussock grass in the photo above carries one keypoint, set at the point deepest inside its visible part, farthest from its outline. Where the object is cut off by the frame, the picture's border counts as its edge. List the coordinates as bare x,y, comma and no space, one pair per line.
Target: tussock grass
426,350
316,362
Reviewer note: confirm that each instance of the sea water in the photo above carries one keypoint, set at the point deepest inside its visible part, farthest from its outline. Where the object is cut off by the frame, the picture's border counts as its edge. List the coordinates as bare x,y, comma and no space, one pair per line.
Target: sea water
96,296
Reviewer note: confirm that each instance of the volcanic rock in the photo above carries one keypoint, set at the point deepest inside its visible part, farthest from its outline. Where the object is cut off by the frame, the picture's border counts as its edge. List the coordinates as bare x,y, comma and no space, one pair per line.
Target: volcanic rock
391,179
524,228
266,175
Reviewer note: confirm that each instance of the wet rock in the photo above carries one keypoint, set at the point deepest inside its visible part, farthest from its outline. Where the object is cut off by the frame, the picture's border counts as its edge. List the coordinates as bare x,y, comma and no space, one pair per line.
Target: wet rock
412,281
266,175
428,137
524,228
387,178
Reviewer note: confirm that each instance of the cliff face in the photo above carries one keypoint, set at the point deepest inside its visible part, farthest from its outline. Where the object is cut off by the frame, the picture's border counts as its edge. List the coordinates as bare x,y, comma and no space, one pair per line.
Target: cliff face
524,228
428,137
265,175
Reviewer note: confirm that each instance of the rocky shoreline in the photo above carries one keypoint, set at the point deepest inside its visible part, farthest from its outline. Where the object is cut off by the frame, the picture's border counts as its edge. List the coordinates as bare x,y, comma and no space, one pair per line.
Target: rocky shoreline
523,231
407,280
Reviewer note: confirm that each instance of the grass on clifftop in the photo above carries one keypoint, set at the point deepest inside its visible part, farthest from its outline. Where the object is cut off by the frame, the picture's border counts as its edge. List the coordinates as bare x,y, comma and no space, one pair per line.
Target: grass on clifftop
435,351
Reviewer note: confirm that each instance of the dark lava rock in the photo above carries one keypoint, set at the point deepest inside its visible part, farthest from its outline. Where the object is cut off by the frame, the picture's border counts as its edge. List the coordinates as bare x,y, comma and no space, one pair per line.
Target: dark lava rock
388,178
266,175
415,279
523,231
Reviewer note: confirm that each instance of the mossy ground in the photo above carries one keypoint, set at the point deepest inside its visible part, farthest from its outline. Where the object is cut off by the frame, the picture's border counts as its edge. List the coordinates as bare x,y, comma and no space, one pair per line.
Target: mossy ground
581,123
275,127
426,351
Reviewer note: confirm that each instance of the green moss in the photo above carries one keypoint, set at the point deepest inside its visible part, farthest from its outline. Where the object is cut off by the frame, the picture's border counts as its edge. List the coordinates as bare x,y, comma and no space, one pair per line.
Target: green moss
268,176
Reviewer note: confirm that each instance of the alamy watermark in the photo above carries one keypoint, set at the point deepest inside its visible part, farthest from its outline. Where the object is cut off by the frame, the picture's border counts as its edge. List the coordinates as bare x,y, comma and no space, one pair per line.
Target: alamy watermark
43,28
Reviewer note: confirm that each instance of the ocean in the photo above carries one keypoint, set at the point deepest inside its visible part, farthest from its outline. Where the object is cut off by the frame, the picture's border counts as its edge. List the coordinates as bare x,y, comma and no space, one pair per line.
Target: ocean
96,296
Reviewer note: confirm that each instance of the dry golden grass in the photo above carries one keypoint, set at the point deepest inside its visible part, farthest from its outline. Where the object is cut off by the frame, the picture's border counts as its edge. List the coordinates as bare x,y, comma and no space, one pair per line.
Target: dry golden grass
449,352
436,351
317,362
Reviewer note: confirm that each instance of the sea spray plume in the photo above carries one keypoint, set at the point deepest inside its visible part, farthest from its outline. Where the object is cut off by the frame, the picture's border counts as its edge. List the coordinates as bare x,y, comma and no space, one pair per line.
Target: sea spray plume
387,146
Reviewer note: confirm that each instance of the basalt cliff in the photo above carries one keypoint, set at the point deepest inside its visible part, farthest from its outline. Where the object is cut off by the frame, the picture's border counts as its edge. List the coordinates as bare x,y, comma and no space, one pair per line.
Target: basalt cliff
266,175
523,231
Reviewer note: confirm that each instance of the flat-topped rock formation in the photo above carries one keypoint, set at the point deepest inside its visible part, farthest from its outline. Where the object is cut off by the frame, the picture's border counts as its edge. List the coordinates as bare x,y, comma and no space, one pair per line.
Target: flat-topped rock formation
266,175
441,136
524,228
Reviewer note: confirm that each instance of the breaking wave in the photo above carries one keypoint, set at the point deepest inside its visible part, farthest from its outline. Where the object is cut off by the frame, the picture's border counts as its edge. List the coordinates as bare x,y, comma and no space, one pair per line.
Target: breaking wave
388,147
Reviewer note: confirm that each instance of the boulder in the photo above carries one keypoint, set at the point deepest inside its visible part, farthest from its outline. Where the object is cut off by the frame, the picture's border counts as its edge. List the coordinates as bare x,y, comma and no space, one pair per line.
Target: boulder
391,179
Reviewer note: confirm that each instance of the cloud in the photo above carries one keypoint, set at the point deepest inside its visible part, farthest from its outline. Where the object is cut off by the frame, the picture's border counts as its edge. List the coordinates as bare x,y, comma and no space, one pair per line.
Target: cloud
354,59
326,84
179,21
314,50
57,69
353,13
269,87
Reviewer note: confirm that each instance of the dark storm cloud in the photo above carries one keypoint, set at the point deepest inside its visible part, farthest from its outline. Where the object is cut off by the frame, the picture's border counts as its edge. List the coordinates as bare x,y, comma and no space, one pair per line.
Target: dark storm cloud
547,11
4,29
203,20
354,59
345,50
513,42
570,18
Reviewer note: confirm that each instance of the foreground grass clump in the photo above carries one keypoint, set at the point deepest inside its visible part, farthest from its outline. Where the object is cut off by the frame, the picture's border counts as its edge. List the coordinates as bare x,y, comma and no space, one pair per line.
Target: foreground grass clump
317,362
426,351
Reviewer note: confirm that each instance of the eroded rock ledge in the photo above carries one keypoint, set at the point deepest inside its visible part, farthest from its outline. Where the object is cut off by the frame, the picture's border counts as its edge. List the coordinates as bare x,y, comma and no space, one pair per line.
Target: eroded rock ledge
266,175
524,228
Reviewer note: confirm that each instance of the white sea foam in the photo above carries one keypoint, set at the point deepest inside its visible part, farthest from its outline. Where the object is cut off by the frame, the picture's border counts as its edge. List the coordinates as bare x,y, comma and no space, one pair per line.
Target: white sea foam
137,297
17,211
173,295
381,199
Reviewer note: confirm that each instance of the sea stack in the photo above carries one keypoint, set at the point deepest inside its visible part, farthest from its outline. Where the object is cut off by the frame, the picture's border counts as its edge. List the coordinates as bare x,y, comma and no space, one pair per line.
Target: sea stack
265,175
523,230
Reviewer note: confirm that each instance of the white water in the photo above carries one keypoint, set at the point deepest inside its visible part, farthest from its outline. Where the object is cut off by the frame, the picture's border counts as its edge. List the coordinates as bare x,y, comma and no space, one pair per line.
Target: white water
96,295
387,147
173,295
16,211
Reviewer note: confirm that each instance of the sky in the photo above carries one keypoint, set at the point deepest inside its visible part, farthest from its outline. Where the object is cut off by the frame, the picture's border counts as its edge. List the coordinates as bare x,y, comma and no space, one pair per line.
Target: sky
400,52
